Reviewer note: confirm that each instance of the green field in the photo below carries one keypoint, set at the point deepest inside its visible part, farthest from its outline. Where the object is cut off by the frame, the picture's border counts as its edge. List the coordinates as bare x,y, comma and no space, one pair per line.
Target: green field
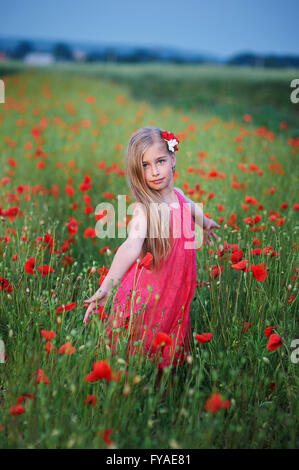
238,156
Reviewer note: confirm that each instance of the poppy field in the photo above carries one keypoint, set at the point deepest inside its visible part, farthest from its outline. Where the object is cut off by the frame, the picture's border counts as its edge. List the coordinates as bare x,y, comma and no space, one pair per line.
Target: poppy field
62,148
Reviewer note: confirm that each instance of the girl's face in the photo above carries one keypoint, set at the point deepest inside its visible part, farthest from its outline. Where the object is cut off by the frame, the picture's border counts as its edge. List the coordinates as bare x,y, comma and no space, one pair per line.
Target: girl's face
157,165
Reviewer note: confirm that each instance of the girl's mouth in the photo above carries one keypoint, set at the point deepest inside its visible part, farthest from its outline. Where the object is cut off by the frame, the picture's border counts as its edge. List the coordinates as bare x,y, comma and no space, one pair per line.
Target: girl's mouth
158,181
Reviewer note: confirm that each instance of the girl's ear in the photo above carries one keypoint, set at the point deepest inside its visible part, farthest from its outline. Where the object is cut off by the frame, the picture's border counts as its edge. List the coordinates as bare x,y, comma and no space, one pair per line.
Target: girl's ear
173,160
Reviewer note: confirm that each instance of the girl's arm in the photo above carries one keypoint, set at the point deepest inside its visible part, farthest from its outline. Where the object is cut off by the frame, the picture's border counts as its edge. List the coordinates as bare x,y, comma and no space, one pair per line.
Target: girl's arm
200,219
196,211
125,256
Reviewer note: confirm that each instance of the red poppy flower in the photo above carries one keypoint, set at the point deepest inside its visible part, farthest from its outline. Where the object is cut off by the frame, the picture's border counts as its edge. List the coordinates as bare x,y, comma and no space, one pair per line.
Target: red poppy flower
215,271
242,265
274,342
101,370
41,377
259,271
146,261
90,400
90,233
67,348
23,397
215,402
162,339
204,338
236,256
50,347
66,307
48,334
69,190
17,410
246,327
44,270
291,299
4,284
106,436
29,265
268,330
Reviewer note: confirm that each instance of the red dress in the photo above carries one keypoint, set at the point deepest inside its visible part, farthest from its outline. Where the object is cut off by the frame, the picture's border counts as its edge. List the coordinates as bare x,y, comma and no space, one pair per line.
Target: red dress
175,283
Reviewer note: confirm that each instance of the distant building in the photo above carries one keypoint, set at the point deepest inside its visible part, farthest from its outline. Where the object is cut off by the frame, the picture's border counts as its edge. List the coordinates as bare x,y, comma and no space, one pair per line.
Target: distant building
79,55
39,58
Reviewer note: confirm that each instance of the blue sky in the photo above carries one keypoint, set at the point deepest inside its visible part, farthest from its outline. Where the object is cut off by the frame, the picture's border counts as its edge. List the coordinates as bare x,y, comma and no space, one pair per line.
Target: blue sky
221,28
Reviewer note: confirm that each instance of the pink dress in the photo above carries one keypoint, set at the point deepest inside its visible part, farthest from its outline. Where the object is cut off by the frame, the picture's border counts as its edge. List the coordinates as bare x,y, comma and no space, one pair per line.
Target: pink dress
175,283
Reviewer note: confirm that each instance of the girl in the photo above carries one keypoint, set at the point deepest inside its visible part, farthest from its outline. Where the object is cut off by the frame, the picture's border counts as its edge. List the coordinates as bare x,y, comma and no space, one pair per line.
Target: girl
162,329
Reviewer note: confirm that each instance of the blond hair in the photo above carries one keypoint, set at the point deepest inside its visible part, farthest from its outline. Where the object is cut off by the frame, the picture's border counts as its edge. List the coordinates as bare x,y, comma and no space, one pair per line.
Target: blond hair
139,142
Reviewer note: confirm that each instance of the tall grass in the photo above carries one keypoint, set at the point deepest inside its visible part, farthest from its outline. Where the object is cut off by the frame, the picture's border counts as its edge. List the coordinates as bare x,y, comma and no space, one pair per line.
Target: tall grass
261,385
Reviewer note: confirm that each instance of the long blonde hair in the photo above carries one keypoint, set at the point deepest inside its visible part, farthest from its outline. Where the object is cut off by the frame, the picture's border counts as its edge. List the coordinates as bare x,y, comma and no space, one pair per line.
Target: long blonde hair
139,142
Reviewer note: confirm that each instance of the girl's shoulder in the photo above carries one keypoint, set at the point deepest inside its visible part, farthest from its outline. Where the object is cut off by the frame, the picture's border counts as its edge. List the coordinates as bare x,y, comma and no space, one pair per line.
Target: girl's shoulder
180,191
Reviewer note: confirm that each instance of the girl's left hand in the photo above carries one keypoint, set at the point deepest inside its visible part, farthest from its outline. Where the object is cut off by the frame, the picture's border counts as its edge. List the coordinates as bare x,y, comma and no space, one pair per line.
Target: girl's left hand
210,224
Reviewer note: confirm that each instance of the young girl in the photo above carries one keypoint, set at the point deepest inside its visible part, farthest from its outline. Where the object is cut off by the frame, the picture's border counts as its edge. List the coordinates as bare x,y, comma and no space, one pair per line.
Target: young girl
167,286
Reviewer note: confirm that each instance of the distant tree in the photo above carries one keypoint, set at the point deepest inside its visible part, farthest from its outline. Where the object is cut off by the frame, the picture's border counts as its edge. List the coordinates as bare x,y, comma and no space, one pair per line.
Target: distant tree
22,49
142,55
62,51
95,57
110,55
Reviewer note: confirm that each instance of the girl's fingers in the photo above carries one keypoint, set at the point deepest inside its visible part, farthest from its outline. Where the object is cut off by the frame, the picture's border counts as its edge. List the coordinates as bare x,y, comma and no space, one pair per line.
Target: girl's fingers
214,235
88,312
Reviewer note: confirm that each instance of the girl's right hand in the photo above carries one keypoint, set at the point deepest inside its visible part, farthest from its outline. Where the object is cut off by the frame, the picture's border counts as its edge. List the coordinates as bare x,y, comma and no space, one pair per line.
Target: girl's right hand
97,300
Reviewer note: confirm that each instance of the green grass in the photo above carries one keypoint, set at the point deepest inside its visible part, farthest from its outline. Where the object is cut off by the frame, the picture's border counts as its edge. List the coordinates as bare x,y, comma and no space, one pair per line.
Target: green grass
235,363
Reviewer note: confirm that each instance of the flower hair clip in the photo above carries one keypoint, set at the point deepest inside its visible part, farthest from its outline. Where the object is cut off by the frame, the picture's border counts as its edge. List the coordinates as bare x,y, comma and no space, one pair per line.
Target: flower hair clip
172,141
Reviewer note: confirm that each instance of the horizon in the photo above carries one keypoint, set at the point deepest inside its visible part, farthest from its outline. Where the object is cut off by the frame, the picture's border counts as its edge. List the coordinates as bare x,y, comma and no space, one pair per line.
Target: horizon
216,29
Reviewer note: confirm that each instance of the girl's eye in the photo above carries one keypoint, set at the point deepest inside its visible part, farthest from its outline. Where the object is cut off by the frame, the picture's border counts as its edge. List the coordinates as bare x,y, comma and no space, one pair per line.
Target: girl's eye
161,160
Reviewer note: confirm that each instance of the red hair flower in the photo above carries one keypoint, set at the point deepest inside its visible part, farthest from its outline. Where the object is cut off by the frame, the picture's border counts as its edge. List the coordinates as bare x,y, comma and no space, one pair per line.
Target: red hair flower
172,141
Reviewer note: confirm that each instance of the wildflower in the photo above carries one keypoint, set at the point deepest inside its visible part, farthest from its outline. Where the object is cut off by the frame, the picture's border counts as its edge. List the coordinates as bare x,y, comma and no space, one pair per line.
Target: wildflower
29,265
268,331
44,270
90,400
259,271
101,370
17,410
66,307
242,265
106,436
204,338
23,397
162,339
215,271
215,402
146,261
274,342
67,348
48,334
246,326
4,284
236,256
41,377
